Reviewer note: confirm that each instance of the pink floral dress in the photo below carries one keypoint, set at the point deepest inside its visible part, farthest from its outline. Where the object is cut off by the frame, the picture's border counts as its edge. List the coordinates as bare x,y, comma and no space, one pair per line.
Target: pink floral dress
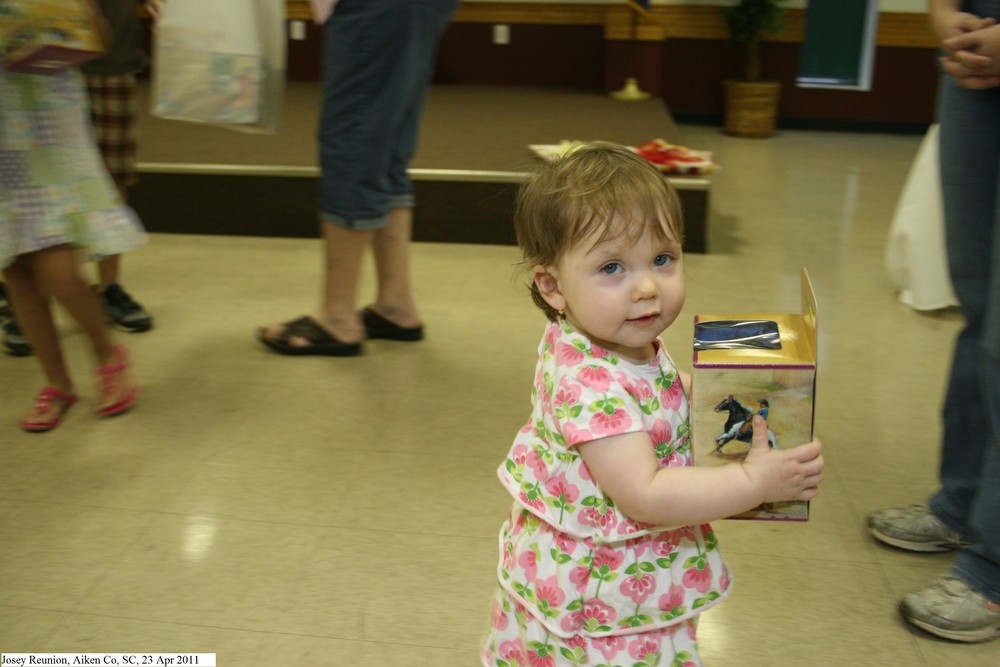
580,582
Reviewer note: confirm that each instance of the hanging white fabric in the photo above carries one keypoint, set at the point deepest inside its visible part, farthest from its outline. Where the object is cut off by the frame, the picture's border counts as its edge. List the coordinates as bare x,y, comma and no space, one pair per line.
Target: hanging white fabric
915,253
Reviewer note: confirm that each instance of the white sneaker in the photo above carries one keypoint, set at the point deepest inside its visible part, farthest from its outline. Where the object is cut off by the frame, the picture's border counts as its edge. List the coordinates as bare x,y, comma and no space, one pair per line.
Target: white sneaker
914,528
949,608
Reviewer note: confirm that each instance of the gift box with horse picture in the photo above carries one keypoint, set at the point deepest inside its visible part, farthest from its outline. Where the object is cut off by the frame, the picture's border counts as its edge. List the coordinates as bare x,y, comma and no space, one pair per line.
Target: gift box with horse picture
745,364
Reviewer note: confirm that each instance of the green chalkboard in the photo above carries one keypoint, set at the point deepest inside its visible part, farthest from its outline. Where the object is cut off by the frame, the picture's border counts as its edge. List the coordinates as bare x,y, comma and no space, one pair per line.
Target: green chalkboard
838,50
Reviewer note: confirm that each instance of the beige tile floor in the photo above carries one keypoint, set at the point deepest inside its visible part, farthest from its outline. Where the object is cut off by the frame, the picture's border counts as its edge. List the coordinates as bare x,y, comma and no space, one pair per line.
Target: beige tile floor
286,511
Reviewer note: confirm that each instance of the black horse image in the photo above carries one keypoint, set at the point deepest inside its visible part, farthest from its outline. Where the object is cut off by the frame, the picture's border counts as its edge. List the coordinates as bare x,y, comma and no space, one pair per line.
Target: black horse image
739,423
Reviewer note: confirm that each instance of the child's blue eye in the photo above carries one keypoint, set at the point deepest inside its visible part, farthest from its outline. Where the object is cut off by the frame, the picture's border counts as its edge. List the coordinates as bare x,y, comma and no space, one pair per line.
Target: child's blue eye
610,268
662,259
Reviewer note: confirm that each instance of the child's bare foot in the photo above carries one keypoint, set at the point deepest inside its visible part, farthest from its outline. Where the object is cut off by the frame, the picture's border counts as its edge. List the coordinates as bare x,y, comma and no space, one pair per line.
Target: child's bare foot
117,388
48,411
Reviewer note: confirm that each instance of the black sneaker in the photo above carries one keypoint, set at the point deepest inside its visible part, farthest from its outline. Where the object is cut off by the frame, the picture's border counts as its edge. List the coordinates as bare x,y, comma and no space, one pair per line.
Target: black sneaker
123,311
13,339
5,313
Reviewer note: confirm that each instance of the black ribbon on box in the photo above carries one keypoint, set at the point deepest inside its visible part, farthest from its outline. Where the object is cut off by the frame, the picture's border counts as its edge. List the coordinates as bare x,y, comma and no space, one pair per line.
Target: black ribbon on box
737,334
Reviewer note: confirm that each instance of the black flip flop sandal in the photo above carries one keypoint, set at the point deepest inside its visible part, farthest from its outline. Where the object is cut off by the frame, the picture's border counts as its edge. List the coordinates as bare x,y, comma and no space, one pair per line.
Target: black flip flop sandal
320,341
377,326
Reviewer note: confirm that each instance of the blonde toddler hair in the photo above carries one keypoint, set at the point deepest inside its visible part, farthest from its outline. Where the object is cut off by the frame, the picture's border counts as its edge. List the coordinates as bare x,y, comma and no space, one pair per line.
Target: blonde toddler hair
600,191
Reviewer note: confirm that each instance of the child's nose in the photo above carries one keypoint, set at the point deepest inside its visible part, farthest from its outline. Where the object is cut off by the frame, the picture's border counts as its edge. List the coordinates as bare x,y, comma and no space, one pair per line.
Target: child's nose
644,286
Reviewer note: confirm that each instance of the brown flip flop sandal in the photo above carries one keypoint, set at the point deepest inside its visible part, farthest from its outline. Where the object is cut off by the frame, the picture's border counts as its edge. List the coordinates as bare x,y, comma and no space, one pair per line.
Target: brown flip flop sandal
320,342
377,326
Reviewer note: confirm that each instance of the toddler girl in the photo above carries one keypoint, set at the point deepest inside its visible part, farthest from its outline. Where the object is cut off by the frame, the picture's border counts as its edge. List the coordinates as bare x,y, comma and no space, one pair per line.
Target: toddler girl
606,558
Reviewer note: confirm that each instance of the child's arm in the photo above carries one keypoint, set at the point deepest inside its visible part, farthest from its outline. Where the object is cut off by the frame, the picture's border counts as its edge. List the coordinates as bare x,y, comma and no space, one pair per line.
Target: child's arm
626,469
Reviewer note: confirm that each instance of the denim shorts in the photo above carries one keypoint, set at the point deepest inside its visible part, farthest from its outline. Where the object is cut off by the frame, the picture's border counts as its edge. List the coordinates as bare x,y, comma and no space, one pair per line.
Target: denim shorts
378,59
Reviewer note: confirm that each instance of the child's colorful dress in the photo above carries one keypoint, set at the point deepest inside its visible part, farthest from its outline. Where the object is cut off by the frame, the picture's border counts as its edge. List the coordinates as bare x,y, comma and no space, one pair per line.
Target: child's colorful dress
581,583
54,189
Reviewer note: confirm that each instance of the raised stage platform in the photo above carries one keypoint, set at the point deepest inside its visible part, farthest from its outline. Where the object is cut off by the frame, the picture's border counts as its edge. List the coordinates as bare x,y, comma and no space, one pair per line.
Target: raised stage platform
473,153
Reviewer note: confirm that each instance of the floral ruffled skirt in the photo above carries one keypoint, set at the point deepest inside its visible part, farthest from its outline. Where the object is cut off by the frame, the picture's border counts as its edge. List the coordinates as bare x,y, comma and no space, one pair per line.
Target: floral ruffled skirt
518,638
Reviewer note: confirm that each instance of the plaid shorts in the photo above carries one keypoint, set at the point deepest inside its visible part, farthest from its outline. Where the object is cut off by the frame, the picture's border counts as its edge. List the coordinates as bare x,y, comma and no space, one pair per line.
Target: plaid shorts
113,110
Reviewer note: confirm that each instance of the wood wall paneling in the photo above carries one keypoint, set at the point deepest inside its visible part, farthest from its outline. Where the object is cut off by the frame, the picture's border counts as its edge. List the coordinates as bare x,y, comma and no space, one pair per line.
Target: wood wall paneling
679,52
677,21
571,56
903,91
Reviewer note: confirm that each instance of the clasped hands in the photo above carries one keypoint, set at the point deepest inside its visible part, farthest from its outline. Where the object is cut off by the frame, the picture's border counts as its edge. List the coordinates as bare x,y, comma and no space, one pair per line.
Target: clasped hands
973,54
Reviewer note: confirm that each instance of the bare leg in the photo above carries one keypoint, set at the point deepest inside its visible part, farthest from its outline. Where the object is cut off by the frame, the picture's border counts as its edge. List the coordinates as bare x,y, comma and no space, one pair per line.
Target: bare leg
343,254
344,251
54,272
57,272
392,262
34,314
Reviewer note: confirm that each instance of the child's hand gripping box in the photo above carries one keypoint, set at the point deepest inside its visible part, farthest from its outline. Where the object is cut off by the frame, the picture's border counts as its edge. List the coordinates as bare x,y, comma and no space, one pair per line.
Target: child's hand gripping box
748,364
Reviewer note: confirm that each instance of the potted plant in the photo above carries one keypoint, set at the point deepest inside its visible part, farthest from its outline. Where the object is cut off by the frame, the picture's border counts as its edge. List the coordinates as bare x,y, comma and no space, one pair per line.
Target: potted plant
751,103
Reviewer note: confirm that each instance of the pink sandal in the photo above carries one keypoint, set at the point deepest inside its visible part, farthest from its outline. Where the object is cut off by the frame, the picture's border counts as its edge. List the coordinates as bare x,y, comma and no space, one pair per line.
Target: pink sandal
48,415
112,376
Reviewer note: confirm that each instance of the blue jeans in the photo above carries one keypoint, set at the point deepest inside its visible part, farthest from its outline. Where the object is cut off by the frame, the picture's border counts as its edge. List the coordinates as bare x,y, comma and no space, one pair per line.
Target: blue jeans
378,61
969,499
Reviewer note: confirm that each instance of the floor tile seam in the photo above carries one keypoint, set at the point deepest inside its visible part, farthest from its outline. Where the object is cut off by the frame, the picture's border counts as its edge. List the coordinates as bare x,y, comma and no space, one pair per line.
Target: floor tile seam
243,519
416,533
912,634
228,628
871,543
29,607
66,616
423,452
326,527
727,548
102,576
57,503
890,556
168,513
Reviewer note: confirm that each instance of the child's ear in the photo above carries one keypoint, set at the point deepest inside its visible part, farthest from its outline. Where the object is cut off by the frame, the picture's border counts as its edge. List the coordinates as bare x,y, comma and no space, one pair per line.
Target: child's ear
547,282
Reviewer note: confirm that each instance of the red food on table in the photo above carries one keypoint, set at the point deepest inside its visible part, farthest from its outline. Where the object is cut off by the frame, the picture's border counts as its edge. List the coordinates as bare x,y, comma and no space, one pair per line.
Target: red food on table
672,158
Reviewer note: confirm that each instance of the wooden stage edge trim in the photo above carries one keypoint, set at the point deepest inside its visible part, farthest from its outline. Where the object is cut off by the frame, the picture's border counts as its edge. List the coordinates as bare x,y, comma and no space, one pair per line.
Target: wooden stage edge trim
455,206
417,174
